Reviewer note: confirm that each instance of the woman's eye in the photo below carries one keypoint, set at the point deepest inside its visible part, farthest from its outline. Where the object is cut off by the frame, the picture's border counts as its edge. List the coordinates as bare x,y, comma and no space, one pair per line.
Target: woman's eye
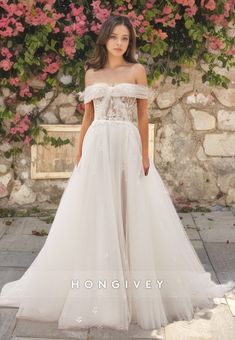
112,36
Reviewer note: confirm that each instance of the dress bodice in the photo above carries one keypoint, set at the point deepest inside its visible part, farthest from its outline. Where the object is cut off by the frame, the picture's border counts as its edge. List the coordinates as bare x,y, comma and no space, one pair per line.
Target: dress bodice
115,102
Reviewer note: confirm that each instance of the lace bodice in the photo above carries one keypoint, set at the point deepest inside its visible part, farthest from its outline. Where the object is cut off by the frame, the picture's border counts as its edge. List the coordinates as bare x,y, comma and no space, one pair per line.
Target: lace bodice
115,102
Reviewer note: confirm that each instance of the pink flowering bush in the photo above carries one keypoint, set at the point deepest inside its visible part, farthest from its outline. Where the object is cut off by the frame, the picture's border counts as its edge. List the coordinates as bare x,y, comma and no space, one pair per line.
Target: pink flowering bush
50,40
24,129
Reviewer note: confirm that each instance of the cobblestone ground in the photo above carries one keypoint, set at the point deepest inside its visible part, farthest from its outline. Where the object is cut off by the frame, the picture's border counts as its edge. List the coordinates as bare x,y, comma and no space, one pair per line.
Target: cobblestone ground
213,237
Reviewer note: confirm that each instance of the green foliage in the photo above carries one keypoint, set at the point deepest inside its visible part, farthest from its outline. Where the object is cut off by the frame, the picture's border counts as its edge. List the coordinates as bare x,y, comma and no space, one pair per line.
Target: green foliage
169,34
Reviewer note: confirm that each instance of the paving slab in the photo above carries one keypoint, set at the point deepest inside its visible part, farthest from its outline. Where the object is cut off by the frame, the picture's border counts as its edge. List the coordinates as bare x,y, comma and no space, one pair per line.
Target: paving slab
7,322
17,242
224,266
25,225
10,274
217,215
36,329
17,258
189,226
215,226
134,332
225,276
187,220
3,228
201,252
222,257
193,234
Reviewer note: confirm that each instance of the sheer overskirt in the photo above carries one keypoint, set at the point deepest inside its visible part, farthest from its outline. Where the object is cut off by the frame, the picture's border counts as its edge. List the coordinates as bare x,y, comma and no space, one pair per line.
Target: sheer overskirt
116,226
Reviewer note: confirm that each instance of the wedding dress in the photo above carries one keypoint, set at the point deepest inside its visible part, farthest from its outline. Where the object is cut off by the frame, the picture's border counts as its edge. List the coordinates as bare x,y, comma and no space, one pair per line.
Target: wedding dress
117,252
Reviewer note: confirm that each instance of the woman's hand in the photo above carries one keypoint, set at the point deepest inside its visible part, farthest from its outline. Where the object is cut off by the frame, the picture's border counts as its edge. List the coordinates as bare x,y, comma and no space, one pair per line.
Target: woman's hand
146,164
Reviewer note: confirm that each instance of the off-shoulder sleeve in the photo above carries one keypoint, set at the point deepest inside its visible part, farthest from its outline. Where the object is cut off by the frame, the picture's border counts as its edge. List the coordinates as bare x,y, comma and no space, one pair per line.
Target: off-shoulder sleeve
141,91
131,90
92,92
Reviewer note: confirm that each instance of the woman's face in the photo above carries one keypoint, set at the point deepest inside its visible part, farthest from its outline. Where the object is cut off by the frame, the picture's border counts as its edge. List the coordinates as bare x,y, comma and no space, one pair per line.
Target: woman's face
118,41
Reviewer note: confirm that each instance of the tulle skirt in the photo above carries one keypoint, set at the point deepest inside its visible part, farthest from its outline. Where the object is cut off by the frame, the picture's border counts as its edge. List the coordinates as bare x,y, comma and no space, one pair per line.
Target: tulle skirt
117,252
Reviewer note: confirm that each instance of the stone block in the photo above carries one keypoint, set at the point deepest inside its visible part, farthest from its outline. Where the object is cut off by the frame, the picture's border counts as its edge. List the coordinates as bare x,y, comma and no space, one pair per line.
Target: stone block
222,144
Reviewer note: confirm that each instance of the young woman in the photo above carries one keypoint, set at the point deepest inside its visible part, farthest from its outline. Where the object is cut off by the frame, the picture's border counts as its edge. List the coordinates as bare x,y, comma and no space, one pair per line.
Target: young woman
117,251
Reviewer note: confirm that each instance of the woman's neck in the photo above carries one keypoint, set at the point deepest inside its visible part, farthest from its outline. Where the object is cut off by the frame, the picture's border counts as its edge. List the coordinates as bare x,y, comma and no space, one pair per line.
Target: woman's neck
113,64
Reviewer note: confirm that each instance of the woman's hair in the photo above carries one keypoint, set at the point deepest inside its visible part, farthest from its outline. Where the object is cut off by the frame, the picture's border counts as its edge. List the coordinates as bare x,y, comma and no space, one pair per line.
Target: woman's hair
99,57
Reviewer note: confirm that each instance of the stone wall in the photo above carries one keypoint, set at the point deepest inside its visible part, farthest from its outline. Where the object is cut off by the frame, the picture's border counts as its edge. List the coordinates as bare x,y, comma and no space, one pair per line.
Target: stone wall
194,145
195,140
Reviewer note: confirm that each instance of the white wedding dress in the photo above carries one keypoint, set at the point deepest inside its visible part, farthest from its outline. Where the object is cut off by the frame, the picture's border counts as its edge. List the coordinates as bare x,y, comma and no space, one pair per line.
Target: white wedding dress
117,251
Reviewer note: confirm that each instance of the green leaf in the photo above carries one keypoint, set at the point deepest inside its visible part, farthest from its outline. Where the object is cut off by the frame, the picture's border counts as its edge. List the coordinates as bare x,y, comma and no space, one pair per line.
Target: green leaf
188,23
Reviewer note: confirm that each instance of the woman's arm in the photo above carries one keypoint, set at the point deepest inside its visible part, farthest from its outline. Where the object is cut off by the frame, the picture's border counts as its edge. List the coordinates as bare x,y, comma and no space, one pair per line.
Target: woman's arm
142,109
87,119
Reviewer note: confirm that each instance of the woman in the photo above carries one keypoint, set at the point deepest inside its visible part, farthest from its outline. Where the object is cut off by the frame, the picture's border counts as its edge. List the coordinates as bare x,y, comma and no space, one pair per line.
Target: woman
116,252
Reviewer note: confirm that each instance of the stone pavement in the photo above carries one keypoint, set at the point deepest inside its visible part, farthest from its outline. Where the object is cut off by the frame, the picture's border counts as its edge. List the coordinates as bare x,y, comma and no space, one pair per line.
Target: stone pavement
213,237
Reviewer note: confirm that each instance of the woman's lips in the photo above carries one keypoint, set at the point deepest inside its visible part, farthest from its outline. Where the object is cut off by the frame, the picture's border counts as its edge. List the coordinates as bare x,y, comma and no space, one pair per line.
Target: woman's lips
117,49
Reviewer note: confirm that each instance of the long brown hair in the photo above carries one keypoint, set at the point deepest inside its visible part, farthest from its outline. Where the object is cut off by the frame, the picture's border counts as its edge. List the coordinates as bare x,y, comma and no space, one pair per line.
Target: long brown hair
99,57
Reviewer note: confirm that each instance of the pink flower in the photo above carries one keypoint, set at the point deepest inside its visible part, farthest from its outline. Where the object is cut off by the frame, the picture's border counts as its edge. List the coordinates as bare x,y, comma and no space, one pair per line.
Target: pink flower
191,11
211,5
20,125
37,16
145,23
24,91
6,53
56,30
149,5
162,35
166,10
52,68
142,30
215,43
95,27
178,16
14,81
219,20
171,23
19,27
42,76
17,117
27,140
6,64
101,13
69,46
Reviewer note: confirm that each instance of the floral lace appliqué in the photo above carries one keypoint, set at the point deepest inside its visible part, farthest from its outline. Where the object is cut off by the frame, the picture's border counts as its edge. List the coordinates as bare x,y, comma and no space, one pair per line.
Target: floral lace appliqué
120,108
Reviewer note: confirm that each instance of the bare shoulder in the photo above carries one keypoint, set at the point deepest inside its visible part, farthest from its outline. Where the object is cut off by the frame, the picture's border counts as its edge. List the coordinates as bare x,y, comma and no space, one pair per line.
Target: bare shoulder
140,74
89,76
